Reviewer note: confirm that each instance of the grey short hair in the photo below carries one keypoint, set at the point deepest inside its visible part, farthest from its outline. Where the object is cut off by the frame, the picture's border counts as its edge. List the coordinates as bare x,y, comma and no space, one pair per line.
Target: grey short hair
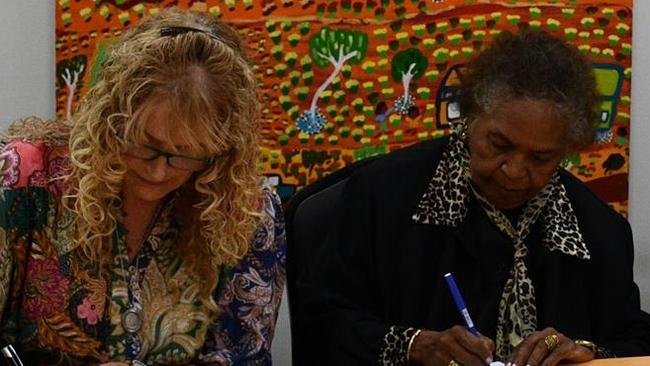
533,65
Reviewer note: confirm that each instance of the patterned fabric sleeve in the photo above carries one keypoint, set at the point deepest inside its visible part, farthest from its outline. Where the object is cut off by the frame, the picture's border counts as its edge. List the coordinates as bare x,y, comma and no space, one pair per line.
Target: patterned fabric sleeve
250,299
6,263
9,175
394,348
19,161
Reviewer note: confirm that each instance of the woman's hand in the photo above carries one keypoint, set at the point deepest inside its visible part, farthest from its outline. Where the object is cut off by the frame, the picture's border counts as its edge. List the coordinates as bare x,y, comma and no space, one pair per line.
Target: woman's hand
548,348
455,344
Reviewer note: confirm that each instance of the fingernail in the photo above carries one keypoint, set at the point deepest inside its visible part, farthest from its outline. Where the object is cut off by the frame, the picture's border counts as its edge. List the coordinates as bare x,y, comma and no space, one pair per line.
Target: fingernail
509,364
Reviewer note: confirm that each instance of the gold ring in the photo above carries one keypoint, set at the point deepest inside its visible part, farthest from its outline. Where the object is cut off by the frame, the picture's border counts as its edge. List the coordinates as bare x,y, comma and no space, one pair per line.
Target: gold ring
551,341
454,363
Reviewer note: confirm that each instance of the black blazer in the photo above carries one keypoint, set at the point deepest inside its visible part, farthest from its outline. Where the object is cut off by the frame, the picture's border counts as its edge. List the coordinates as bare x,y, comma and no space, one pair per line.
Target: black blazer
379,268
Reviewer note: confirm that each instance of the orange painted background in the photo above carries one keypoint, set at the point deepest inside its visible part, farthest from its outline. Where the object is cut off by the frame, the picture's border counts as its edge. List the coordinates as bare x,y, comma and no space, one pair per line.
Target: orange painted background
363,110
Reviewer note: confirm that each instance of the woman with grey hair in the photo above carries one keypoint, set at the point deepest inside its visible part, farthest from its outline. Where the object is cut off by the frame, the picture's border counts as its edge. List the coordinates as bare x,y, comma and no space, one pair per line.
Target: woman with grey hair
544,265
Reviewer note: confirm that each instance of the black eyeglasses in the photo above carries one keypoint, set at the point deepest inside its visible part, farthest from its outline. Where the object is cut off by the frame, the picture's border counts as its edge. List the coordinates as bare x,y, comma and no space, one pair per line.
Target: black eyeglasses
174,31
150,153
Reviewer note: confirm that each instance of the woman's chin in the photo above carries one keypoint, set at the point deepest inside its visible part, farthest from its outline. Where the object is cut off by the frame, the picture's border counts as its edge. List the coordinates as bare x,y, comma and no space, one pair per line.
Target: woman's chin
149,194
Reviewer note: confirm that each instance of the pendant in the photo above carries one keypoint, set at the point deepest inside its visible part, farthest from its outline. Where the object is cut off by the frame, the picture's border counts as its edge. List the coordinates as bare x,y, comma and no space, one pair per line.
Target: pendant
132,320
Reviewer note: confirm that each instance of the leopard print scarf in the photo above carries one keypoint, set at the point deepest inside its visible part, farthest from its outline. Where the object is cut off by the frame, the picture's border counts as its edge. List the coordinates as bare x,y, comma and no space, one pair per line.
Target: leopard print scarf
445,203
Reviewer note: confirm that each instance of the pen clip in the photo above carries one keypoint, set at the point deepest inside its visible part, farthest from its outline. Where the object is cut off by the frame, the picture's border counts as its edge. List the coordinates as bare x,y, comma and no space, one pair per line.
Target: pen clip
11,356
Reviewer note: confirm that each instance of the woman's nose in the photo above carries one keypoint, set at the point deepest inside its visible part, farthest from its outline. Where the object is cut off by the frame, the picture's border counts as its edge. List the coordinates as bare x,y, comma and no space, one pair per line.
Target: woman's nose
158,168
514,168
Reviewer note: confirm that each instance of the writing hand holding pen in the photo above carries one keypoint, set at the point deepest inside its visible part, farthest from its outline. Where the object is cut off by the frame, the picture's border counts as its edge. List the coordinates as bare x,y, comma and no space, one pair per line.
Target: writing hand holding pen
456,345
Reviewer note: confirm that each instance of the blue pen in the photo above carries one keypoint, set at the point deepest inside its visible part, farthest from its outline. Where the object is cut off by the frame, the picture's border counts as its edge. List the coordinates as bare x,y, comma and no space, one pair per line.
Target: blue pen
460,304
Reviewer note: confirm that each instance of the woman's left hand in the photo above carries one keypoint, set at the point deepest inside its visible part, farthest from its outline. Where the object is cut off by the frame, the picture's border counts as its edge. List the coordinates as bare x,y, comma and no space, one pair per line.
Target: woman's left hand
548,348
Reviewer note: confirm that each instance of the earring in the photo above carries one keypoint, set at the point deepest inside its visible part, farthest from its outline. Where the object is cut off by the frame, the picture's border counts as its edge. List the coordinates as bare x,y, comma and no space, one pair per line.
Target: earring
462,129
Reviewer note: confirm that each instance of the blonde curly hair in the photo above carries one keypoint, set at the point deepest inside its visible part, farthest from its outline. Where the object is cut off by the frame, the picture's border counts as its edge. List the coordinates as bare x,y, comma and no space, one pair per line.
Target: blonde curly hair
198,67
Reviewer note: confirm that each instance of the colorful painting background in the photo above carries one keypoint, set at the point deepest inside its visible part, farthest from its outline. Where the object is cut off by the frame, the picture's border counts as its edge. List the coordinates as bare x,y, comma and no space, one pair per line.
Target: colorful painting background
344,80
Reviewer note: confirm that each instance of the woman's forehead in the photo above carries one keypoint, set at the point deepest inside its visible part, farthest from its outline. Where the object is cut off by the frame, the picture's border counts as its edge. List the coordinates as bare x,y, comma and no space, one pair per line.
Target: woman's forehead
161,127
175,122
527,121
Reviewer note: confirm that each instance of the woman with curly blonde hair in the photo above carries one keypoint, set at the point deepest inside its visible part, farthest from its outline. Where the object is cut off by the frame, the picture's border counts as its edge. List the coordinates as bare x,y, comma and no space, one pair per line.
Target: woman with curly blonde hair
140,232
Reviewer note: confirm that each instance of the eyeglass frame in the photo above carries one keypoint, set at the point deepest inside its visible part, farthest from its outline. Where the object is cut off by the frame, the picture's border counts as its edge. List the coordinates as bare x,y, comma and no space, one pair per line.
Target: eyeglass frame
168,156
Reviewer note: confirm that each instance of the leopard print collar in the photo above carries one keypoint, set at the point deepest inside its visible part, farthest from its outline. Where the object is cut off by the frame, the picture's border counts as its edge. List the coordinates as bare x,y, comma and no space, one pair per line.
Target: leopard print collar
447,197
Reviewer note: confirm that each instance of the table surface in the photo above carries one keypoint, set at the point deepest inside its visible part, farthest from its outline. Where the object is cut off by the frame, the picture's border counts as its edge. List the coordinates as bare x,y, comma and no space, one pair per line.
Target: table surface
630,361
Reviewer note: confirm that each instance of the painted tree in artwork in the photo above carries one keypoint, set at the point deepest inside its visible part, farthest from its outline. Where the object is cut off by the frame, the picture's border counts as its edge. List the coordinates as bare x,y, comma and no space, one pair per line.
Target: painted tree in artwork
333,47
407,65
70,74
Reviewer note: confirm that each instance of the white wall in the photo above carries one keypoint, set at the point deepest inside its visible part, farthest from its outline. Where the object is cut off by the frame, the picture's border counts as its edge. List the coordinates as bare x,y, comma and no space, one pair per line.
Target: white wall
27,88
640,149
26,59
281,350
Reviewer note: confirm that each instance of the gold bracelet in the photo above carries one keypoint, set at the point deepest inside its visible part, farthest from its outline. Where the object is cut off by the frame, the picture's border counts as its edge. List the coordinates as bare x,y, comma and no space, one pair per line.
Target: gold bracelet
408,350
589,345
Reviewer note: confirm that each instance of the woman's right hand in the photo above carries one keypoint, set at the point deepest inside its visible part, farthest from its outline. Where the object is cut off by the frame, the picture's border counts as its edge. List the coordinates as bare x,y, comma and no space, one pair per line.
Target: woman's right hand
431,348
